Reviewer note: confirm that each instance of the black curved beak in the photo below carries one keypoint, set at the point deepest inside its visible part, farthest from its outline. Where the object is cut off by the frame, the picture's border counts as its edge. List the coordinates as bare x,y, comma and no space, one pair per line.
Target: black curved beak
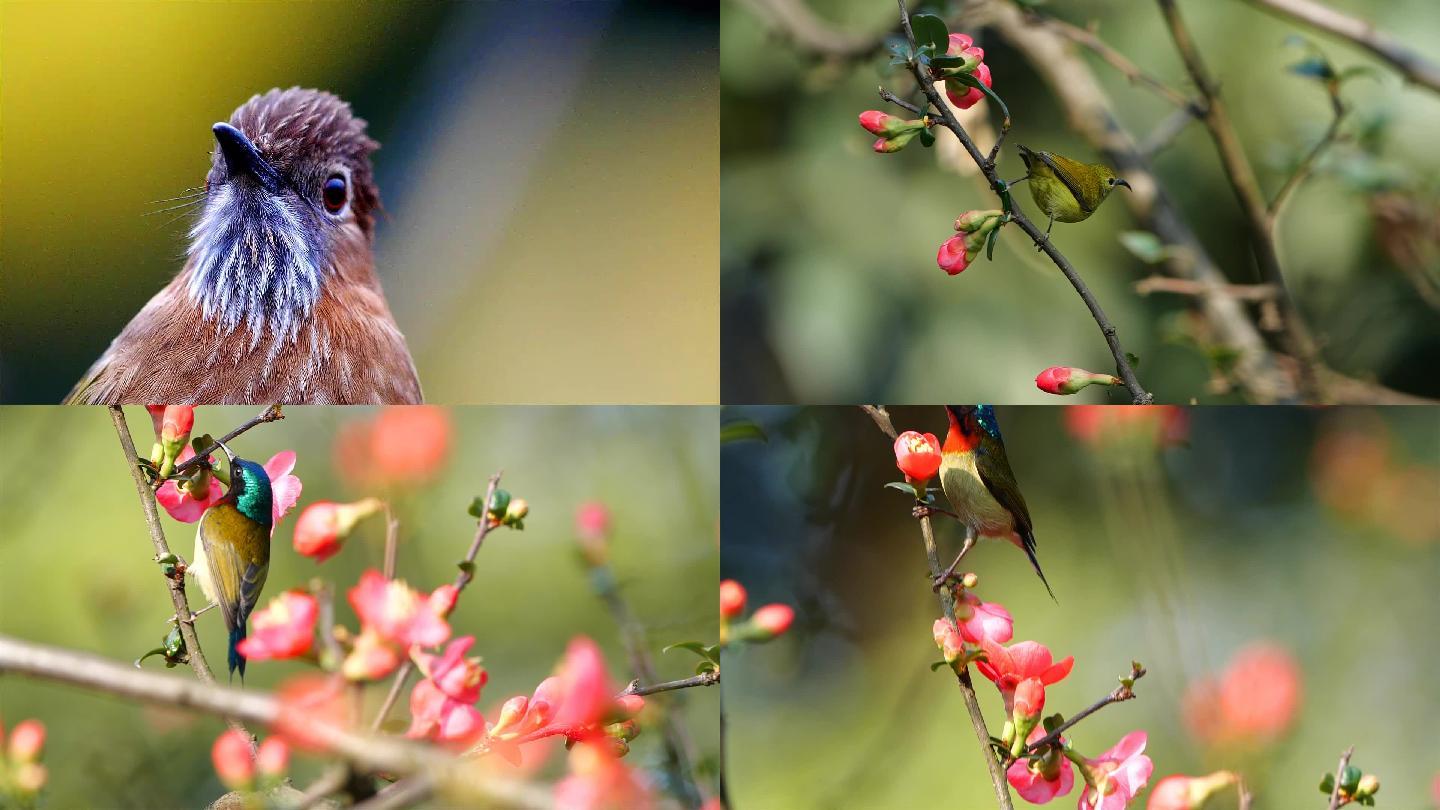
1120,182
228,454
242,158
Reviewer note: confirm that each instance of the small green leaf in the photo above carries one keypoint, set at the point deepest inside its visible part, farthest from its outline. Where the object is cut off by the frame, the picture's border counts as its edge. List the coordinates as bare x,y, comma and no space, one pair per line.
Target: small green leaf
990,245
742,430
1360,70
499,502
927,138
937,665
1146,246
1315,67
1350,779
1053,722
1327,785
710,653
947,62
903,487
467,566
930,30
705,667
1133,359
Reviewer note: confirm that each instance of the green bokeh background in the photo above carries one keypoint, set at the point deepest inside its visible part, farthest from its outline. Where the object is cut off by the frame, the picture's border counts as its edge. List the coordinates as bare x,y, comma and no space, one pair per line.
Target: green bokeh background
550,192
1208,548
76,570
830,291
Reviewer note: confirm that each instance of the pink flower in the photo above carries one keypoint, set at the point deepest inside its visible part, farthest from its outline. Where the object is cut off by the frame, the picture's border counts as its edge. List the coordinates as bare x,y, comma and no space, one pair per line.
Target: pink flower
27,740
442,704
186,507
573,703
879,123
1042,779
1029,698
598,780
324,525
273,758
592,529
948,639
917,455
1153,425
456,676
983,620
955,255
772,620
732,598
1064,380
963,45
1254,701
443,599
408,443
1113,778
1008,666
312,708
233,761
283,629
396,613
1179,792
371,658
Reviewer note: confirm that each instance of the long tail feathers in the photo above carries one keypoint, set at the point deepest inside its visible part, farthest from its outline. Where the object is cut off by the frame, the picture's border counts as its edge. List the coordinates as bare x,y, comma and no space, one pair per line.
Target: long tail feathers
237,634
1029,545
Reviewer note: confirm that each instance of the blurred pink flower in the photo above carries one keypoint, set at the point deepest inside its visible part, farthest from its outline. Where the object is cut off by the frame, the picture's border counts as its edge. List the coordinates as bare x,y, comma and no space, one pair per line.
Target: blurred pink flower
1180,792
598,780
1101,425
285,628
1041,780
1254,700
234,763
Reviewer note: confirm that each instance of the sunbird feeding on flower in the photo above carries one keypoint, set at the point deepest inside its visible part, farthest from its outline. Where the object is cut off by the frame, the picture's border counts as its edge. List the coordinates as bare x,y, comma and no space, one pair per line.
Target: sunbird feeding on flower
1067,190
232,549
976,478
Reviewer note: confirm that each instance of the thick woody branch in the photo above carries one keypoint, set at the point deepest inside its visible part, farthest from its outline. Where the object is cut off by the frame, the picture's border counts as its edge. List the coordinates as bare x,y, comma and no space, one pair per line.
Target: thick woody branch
947,605
175,585
1123,367
1410,63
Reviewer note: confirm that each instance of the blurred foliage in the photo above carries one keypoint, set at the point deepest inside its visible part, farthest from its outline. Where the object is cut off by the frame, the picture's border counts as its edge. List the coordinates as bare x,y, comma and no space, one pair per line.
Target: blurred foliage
549,193
76,569
830,291
1317,530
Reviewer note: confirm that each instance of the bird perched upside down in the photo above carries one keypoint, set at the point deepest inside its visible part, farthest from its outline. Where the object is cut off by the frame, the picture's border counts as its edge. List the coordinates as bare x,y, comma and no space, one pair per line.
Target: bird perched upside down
1067,190
976,478
232,549
278,300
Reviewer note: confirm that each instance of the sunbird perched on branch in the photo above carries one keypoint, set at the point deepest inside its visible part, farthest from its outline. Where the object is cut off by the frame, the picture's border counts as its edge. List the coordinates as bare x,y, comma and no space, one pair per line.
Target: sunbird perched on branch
976,478
1067,190
232,549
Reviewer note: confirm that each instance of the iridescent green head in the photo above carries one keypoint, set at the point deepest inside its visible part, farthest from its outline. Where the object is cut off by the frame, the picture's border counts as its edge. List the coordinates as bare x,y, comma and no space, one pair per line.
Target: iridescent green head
250,489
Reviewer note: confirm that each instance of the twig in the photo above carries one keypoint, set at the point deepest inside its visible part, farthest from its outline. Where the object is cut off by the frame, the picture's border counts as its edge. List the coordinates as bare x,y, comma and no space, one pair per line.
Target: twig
709,678
1164,133
1245,797
809,33
1411,64
332,780
1247,191
404,793
1307,164
947,605
1194,108
270,414
1339,774
1138,393
467,567
1120,694
176,585
1185,286
392,541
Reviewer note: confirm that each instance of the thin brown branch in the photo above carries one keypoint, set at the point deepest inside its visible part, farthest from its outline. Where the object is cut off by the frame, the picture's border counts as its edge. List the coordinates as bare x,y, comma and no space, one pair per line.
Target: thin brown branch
1120,694
1307,164
271,414
1164,133
1339,774
947,606
1247,191
1410,63
1086,38
176,584
1123,367
807,32
392,541
709,678
1185,286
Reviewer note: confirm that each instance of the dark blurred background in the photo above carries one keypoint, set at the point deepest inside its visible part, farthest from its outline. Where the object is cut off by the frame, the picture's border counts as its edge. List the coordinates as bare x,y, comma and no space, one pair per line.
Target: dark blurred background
549,171
1314,530
829,286
76,570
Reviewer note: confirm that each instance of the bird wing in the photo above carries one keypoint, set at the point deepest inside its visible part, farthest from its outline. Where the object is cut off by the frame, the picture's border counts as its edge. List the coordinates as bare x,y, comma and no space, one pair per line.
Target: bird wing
238,565
995,474
1064,169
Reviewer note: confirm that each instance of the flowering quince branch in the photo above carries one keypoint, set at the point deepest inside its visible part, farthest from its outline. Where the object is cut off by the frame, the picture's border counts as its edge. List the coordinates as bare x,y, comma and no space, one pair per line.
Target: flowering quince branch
271,414
1348,784
923,77
1339,770
1125,691
176,582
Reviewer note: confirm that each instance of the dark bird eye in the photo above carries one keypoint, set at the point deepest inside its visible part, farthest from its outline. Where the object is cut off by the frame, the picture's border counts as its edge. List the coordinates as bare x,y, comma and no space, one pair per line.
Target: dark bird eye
1110,180
334,193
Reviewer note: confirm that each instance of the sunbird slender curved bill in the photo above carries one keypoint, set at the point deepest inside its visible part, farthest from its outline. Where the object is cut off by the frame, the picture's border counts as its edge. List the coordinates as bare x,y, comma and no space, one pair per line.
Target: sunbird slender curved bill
976,478
232,550
1067,190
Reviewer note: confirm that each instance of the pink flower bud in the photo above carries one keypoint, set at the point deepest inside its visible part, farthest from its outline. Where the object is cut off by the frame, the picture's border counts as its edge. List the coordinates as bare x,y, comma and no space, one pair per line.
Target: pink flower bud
324,526
629,705
979,220
954,255
959,94
773,620
1065,380
233,763
1029,698
917,455
732,599
948,639
27,741
1179,792
273,758
176,423
896,142
443,599
884,125
592,529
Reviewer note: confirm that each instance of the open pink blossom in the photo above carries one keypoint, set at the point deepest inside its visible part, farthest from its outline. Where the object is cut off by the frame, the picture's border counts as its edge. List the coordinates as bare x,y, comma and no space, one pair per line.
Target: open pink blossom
1254,700
1043,779
454,674
1008,666
435,715
396,612
961,95
312,708
917,455
285,628
575,702
186,508
983,620
1116,776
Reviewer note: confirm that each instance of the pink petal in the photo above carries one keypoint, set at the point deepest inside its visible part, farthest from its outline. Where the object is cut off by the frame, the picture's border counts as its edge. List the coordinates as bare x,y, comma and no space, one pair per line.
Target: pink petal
280,464
1057,673
1130,745
1031,658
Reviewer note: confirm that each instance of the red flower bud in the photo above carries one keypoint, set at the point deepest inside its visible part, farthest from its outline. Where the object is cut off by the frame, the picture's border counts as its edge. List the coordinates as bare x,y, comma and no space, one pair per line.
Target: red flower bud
881,124
27,741
324,525
273,758
954,255
732,599
917,455
1029,697
773,620
1065,380
233,762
